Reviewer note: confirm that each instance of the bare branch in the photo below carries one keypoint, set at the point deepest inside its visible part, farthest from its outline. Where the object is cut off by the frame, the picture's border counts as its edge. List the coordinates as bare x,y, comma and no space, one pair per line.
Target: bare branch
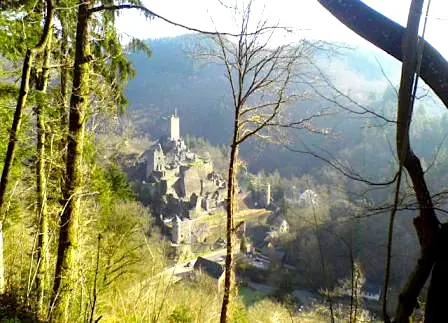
340,168
151,14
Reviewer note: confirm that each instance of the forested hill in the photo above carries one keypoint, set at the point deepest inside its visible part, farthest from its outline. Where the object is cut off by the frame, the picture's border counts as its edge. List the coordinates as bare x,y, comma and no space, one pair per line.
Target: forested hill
171,80
174,79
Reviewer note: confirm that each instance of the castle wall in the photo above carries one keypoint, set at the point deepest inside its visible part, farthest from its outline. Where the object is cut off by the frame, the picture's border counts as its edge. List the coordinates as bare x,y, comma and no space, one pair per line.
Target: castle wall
192,181
191,231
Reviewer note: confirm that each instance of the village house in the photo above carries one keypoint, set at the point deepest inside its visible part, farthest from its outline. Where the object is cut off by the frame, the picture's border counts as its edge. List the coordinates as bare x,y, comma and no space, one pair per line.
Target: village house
370,292
212,269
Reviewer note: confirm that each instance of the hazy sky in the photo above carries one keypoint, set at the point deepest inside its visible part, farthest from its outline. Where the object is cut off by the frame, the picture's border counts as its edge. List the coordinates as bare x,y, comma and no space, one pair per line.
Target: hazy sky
306,16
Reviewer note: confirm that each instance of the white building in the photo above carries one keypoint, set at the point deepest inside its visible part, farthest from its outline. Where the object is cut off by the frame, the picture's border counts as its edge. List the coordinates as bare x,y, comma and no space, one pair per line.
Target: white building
174,127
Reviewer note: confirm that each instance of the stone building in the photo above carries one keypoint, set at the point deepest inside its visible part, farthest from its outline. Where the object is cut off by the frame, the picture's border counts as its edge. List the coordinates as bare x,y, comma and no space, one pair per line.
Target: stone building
183,186
262,196
212,269
181,231
156,160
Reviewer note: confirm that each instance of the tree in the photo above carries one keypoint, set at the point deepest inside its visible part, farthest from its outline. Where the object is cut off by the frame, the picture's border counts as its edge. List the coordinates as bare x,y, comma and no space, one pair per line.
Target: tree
66,18
67,241
21,105
41,178
433,69
262,82
353,285
104,59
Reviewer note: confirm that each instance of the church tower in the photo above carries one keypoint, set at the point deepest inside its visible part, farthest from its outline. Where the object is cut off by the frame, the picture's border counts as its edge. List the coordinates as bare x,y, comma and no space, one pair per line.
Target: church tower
174,127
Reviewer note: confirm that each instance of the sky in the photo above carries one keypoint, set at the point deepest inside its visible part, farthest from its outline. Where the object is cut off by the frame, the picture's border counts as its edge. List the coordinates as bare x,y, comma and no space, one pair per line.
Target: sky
307,17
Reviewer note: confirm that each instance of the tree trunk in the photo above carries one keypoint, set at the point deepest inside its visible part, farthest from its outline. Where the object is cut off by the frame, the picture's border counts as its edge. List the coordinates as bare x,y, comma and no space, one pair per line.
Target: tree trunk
229,281
15,128
64,77
388,35
41,184
68,240
427,225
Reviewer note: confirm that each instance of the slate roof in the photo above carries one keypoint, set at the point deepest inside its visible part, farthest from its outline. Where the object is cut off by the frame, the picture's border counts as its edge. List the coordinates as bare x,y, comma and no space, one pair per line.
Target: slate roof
211,268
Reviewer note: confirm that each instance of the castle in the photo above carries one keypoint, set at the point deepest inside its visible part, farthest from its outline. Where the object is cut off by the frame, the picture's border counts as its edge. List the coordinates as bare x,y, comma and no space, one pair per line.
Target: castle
183,186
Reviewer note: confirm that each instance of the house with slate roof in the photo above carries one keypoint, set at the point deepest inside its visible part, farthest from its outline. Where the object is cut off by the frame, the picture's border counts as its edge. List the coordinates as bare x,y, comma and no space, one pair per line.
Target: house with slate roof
212,269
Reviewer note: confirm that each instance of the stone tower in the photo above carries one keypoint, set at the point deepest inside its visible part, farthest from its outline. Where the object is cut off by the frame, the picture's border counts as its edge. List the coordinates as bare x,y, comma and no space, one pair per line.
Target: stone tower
174,127
156,160
268,195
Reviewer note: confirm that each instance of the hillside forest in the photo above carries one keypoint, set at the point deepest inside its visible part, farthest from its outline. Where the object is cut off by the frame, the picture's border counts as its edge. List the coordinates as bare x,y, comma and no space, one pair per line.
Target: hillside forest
333,160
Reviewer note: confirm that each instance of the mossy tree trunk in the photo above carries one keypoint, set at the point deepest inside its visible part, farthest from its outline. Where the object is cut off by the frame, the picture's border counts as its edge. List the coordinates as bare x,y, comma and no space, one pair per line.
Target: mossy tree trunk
17,119
64,75
41,183
68,239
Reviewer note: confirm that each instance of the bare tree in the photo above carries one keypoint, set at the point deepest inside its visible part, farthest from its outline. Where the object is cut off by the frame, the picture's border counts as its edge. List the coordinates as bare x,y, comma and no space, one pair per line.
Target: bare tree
432,67
263,82
426,224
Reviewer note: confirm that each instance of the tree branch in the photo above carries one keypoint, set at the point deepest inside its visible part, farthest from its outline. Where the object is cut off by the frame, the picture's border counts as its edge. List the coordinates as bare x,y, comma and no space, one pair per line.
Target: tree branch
387,35
150,13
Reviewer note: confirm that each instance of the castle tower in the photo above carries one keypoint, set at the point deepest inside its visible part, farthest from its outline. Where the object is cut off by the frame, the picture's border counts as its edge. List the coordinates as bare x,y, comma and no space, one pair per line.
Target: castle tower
268,195
174,127
155,160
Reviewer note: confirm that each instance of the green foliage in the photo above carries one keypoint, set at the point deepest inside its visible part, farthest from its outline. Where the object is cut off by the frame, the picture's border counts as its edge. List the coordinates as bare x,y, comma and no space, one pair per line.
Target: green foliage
8,90
24,154
111,185
112,66
5,119
20,28
181,314
123,250
239,313
118,183
137,45
217,154
243,244
250,296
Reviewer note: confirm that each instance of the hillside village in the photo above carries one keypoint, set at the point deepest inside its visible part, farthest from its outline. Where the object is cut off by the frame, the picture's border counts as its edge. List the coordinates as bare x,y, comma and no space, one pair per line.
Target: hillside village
187,197
184,189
